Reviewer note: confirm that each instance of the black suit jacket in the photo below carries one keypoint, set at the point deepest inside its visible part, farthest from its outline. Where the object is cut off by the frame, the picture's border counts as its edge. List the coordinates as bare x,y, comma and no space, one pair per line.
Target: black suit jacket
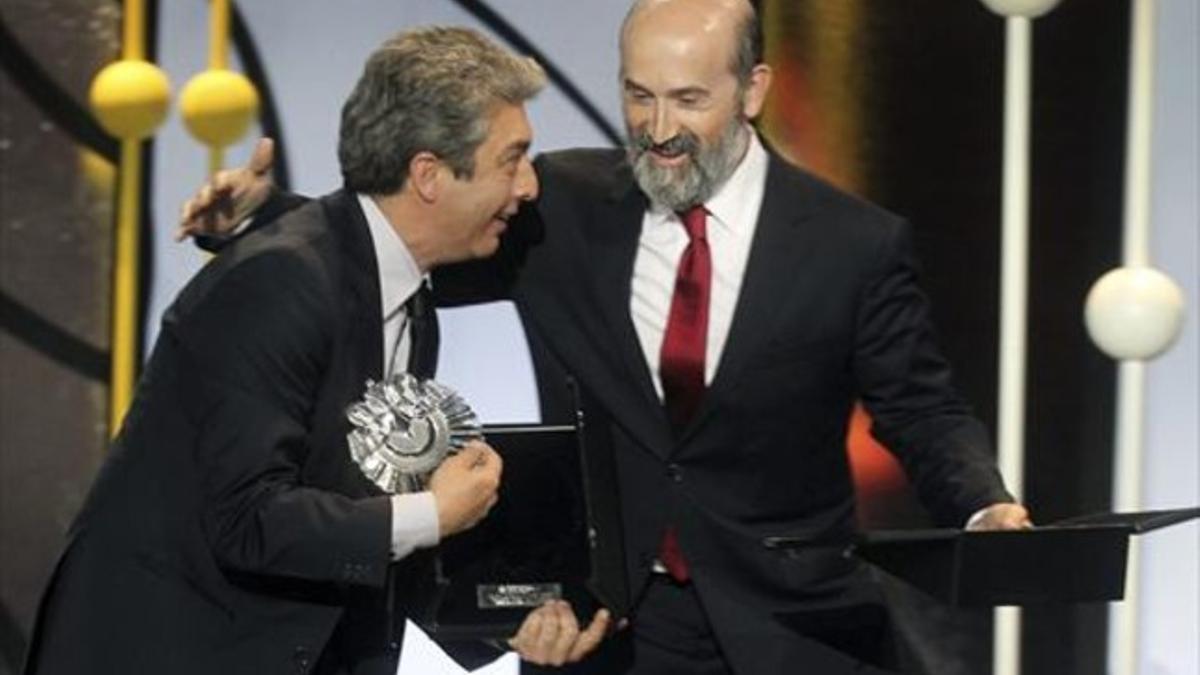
228,529
829,313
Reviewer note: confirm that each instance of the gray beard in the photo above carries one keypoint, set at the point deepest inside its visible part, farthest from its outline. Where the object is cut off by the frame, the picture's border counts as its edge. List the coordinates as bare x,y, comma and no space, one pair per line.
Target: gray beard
680,188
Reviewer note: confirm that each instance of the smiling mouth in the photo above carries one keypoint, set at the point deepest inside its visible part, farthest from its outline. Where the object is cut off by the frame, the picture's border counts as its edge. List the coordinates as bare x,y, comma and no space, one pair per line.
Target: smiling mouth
669,158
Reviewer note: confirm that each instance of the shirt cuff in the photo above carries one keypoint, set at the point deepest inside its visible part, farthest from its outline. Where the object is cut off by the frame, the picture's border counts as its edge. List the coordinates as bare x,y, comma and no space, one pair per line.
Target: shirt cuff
976,517
414,523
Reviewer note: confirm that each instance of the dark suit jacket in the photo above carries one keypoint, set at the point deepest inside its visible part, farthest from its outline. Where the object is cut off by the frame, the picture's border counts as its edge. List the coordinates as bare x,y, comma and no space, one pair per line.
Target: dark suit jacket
829,313
228,529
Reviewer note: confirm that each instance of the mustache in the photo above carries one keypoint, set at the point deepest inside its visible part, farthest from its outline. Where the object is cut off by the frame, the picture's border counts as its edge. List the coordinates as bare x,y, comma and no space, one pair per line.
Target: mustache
683,142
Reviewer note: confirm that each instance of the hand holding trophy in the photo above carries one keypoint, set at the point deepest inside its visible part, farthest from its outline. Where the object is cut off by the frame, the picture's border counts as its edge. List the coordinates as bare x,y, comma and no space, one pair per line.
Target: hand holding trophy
411,435
405,427
466,487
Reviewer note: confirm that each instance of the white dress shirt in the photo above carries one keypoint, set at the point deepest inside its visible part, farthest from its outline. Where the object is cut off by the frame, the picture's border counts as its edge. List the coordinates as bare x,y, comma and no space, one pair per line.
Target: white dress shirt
414,515
732,219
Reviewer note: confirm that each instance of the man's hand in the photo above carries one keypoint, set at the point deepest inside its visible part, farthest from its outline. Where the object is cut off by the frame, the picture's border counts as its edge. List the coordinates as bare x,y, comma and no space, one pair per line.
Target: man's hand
465,487
1002,516
230,196
550,635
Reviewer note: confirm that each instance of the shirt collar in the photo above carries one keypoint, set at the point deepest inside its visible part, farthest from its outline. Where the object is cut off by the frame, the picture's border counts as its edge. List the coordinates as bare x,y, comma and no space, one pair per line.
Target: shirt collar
726,204
399,276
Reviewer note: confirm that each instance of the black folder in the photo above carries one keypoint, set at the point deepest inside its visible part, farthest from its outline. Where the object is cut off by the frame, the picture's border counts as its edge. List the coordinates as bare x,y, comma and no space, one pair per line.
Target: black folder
1081,559
554,534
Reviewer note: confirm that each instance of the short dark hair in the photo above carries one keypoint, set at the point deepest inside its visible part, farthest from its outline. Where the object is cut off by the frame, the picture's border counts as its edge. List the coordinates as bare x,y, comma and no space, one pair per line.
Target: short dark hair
427,90
749,45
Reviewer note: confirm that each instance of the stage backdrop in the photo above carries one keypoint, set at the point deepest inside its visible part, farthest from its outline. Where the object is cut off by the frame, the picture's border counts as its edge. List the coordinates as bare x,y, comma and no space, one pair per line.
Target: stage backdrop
898,102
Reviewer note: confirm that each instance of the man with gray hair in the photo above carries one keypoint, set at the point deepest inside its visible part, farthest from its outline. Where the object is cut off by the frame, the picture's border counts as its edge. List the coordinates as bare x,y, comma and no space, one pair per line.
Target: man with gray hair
229,530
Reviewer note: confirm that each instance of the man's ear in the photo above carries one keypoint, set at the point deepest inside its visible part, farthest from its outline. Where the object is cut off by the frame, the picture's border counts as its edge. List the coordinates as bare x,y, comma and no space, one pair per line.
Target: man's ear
425,175
755,94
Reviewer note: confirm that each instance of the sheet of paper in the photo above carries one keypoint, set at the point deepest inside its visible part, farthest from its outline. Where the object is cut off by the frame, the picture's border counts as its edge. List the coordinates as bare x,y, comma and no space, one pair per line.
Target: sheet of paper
419,655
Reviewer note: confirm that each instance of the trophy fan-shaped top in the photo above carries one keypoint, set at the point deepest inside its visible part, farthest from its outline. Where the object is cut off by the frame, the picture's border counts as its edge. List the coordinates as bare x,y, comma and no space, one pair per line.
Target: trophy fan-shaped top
404,427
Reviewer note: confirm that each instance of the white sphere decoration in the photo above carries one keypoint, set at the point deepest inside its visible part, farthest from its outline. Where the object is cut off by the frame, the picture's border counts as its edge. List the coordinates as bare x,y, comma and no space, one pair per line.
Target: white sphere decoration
1030,9
1134,313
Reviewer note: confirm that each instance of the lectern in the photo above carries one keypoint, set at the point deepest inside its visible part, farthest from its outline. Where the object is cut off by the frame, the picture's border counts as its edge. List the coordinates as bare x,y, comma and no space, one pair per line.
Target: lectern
1077,560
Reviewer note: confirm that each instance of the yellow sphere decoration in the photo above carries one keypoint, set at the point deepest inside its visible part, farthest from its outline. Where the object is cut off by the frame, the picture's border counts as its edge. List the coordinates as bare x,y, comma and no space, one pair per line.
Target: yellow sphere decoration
218,106
130,98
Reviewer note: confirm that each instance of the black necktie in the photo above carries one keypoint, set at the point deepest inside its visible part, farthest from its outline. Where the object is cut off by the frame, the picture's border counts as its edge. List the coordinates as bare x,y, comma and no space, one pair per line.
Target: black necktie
422,321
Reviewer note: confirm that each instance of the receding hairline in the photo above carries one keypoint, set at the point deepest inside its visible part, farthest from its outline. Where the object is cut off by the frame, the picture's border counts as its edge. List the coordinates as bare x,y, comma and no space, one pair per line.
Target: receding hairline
742,11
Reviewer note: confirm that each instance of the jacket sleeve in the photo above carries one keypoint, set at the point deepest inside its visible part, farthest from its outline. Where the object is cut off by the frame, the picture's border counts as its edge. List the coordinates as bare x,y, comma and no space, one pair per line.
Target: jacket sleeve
905,384
254,353
278,203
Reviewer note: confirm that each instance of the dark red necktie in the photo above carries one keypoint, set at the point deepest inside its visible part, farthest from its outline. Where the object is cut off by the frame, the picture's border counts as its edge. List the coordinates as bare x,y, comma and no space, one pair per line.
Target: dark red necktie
681,362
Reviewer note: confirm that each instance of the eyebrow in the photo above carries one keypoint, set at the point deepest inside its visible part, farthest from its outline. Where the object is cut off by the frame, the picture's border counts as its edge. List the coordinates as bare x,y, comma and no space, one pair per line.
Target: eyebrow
515,149
691,90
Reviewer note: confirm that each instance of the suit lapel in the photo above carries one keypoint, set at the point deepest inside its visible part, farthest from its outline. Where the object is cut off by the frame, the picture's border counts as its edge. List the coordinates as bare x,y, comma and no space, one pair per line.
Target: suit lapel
360,290
612,239
780,243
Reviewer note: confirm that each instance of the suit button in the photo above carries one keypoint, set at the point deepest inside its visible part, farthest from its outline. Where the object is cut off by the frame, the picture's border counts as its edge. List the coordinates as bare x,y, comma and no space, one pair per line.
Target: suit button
674,472
303,659
353,572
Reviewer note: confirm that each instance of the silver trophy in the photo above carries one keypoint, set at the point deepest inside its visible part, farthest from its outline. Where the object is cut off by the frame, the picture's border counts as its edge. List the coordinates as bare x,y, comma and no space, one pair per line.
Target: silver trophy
403,429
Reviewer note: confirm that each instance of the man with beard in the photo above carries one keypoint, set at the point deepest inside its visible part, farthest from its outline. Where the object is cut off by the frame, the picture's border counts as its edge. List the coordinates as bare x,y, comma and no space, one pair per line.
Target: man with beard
725,310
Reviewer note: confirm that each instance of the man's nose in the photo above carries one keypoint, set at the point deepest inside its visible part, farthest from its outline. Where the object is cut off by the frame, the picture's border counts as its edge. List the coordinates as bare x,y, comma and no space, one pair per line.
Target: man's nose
526,187
662,125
